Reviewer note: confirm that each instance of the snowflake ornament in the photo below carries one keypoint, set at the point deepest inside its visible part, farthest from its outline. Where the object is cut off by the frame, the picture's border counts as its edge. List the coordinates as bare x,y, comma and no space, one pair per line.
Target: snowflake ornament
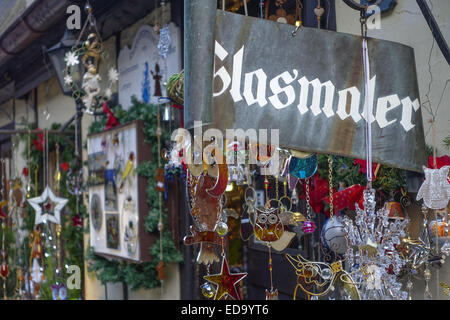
68,80
71,59
373,256
108,93
113,75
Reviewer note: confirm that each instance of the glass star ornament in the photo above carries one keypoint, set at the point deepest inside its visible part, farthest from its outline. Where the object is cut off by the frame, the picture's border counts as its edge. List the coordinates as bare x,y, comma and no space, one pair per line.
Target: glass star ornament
226,282
50,209
435,190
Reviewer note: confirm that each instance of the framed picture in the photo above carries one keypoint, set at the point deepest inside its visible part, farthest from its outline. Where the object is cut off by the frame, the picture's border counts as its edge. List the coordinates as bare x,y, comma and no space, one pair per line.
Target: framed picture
117,195
110,191
96,168
96,212
112,231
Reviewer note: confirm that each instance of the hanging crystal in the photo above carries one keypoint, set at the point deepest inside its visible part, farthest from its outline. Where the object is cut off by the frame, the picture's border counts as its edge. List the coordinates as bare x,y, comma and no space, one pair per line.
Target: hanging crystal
427,275
164,42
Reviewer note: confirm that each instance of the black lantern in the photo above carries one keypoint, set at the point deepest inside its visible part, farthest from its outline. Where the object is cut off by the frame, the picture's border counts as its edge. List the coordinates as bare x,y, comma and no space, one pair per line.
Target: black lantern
57,53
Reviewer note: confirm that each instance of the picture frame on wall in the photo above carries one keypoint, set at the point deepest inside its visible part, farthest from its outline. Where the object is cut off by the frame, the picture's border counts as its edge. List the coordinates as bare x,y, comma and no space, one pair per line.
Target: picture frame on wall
118,206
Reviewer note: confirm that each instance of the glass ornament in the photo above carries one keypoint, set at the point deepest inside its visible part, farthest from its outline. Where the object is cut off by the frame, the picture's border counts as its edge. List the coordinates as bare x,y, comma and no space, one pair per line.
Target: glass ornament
435,191
226,282
308,226
164,42
303,168
207,290
221,228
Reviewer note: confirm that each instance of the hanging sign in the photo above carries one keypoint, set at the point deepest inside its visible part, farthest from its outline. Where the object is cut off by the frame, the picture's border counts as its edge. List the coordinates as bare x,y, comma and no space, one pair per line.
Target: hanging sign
311,88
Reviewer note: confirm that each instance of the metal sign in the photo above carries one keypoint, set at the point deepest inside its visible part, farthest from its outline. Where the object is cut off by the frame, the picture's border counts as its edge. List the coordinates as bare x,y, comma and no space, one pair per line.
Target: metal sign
311,88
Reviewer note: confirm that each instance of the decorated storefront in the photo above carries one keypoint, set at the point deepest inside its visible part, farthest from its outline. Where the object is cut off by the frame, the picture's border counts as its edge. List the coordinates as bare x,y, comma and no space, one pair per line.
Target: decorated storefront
220,150
300,161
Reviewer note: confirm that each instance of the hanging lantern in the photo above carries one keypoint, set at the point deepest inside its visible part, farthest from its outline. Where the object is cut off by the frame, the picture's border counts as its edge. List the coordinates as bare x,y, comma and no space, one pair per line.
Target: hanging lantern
57,53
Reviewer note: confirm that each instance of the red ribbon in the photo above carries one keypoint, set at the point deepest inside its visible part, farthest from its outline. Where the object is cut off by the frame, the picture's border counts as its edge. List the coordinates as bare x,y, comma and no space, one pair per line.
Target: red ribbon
318,189
347,198
64,166
363,166
440,162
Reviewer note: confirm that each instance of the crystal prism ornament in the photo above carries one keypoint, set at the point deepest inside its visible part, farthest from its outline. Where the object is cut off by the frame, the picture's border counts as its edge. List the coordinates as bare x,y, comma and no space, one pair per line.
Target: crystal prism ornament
164,42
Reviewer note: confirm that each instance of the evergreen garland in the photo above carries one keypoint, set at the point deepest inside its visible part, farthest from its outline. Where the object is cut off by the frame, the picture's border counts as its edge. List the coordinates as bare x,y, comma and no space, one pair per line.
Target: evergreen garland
387,182
71,235
142,275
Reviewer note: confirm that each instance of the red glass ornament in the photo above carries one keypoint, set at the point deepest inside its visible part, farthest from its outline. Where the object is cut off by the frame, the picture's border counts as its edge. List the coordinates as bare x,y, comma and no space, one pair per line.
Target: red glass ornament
4,271
64,166
226,282
77,221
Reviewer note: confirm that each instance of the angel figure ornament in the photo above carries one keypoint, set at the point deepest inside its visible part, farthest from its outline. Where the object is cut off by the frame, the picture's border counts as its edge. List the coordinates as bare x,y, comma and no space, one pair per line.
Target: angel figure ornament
91,86
435,190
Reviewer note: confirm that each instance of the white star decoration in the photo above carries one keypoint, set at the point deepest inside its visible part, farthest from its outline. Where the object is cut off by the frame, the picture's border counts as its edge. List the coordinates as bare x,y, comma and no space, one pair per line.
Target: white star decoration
71,59
113,75
56,216
68,80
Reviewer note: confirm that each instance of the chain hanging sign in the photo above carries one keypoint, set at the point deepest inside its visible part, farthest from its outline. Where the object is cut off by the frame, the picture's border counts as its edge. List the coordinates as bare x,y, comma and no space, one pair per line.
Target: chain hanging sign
311,88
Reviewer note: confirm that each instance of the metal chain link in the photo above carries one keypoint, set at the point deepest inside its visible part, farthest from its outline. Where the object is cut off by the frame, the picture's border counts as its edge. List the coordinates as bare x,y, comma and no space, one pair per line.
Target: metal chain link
308,202
330,182
276,188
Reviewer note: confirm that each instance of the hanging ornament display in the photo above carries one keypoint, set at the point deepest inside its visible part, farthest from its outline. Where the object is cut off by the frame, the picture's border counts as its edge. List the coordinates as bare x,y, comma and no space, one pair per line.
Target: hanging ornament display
91,52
